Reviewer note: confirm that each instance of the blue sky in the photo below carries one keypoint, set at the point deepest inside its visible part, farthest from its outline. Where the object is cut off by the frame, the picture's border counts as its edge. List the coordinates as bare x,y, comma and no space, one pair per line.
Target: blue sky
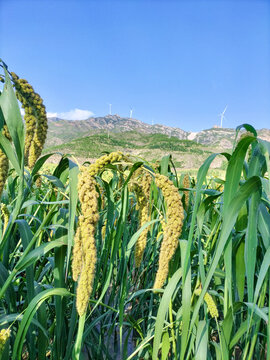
177,63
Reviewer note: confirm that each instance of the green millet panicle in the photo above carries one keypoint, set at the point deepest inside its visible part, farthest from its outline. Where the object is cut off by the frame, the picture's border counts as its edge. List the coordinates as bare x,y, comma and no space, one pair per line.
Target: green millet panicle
172,229
142,193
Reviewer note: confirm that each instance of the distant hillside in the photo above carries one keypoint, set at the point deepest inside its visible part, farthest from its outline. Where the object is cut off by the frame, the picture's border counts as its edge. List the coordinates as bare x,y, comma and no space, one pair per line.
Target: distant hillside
61,131
87,139
186,153
224,138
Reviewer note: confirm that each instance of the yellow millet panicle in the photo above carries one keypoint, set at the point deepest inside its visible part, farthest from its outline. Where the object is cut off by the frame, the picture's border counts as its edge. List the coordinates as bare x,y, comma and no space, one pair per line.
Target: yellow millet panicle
77,254
103,231
186,184
6,133
84,250
100,163
172,229
211,306
4,335
143,196
6,215
35,119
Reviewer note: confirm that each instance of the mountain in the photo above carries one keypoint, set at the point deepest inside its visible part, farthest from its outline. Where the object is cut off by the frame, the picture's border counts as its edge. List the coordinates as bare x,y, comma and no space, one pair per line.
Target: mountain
152,147
61,131
87,139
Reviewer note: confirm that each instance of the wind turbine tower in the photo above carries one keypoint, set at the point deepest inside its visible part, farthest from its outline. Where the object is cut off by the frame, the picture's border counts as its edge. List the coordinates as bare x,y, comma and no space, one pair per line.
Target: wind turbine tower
222,116
130,112
110,109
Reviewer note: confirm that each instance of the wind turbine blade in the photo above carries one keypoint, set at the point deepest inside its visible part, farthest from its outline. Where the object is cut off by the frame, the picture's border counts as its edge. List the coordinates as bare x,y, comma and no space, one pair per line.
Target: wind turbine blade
225,109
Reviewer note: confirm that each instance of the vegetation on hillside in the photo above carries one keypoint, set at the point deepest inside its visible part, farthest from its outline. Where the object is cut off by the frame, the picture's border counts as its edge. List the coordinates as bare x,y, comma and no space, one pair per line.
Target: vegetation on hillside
121,258
149,146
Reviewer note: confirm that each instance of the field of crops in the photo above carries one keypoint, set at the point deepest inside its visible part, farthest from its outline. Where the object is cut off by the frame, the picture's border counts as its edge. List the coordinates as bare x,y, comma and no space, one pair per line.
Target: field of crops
123,259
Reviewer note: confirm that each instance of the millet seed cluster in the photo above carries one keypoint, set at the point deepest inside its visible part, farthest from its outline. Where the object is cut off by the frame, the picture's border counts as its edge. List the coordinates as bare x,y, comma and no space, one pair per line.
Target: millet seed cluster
35,119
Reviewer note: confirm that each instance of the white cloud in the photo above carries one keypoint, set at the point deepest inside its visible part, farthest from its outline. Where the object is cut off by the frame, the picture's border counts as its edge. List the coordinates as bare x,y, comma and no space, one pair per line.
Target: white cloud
75,114
22,112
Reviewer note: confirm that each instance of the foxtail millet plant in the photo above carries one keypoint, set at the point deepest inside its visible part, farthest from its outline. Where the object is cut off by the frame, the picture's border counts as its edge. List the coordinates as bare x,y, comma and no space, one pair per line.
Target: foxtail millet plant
211,306
173,228
84,250
35,119
186,184
142,191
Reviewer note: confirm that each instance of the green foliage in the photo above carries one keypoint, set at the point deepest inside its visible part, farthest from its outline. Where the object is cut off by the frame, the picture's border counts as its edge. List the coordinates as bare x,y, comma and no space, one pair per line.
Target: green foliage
224,251
94,145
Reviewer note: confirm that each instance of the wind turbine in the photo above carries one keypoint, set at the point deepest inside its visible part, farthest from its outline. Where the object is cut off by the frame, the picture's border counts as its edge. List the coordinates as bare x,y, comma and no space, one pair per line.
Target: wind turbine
152,122
130,112
222,116
110,109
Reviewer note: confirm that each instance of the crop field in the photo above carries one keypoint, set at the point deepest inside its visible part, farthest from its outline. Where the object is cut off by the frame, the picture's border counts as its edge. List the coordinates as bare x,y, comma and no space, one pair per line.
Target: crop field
125,259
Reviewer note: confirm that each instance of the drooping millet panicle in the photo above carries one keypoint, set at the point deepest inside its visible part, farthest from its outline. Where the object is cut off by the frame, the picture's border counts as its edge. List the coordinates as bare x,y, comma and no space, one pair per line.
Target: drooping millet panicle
84,250
104,160
4,162
211,306
186,184
4,335
35,119
143,195
172,229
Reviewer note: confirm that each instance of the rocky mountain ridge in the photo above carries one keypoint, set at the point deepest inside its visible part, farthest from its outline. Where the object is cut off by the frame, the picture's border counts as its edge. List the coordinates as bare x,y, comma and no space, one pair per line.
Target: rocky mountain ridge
61,131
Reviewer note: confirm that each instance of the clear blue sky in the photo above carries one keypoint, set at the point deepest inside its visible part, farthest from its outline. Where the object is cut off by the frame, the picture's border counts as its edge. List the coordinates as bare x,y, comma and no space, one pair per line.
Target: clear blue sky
178,63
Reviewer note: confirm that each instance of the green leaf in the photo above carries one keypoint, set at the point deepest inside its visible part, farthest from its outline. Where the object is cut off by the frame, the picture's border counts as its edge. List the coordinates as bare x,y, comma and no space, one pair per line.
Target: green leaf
165,345
264,225
7,147
240,270
251,242
40,162
163,309
12,115
28,316
201,341
164,164
252,185
35,254
263,271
